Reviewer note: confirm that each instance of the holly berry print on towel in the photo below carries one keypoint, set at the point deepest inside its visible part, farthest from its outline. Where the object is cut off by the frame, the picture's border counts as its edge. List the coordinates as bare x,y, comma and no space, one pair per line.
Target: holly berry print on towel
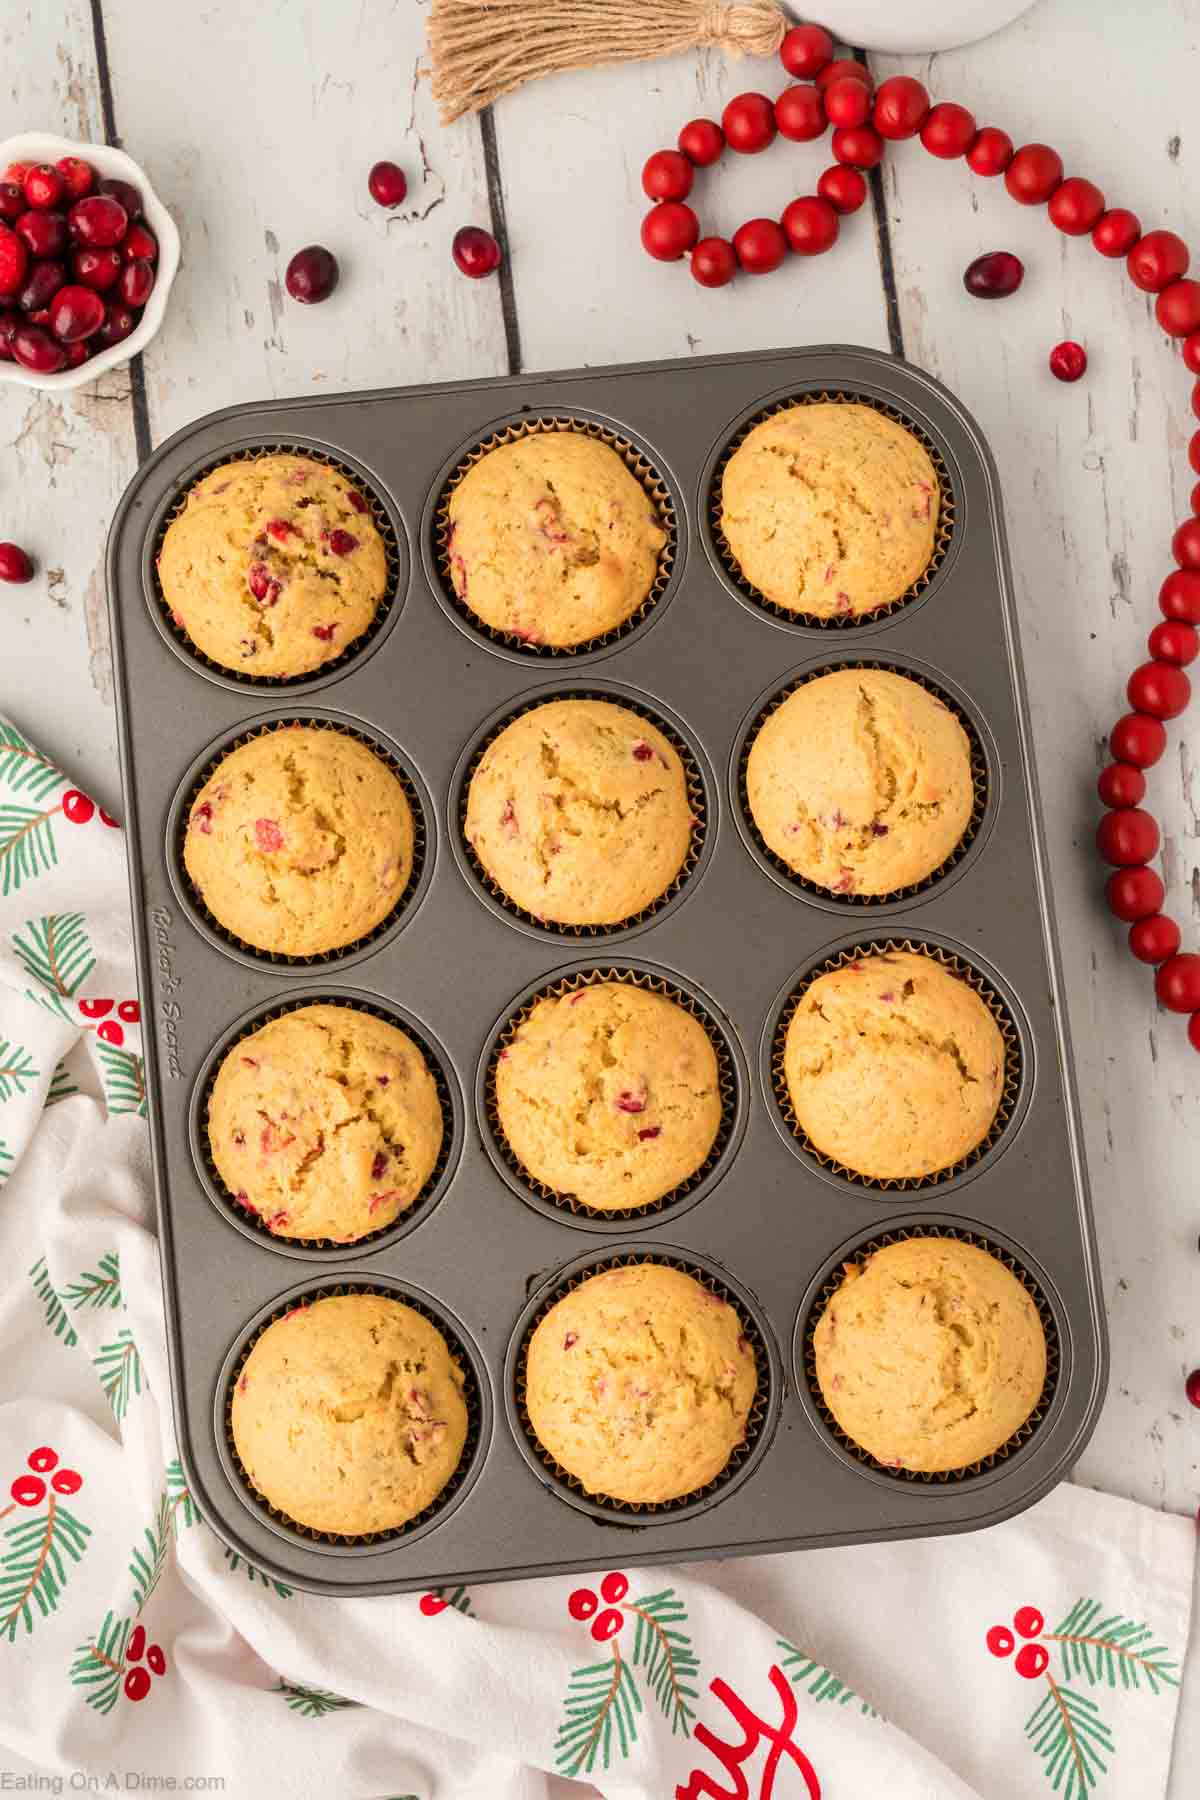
117,1660
1066,1728
603,1698
440,1598
42,1538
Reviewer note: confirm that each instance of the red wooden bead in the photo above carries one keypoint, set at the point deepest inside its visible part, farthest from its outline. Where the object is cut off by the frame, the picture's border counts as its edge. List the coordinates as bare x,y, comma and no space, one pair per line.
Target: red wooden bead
901,107
1127,837
800,113
1120,784
702,142
713,262
1174,642
811,225
844,68
1177,984
1191,353
1196,399
1157,260
1033,174
748,123
669,230
857,145
1076,206
1134,893
1153,940
1160,689
1177,308
806,50
1138,740
1194,452
1194,1031
847,102
760,246
1185,545
1196,498
1117,232
667,175
845,189
1179,596
949,130
991,152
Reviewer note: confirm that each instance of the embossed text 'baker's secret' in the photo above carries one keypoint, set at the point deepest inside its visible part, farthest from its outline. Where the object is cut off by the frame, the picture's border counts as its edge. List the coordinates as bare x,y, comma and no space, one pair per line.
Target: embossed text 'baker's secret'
168,982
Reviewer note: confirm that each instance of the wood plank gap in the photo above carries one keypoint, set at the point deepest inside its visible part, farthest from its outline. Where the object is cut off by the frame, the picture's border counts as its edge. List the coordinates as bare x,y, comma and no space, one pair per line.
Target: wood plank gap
883,244
495,187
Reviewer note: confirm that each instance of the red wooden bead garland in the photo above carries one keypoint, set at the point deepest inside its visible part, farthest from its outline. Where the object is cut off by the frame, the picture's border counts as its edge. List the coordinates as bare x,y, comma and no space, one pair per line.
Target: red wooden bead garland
810,225
847,102
1157,260
1138,740
1153,940
713,262
844,69
1174,643
1117,232
1033,174
991,152
748,123
1076,206
1134,893
857,145
702,142
1159,689
1185,545
846,189
949,130
901,108
1177,308
760,246
806,50
1177,983
800,113
1120,784
1179,596
1127,837
1191,353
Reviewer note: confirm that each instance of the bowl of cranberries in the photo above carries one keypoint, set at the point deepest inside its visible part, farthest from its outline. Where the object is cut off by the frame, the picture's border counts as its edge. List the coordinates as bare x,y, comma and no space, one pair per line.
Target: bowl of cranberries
88,253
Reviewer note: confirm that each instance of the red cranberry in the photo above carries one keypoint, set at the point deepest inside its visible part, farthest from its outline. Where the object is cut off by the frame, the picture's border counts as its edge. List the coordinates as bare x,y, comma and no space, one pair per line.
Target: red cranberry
10,319
476,252
901,108
43,186
702,141
748,123
78,353
667,175
857,145
43,233
1076,207
806,50
312,275
97,269
14,259
124,193
760,246
17,171
1068,361
139,242
995,275
1116,232
78,176
949,131
810,223
713,262
844,67
1157,260
670,230
35,349
800,113
98,221
12,201
14,564
847,102
41,284
844,188
1192,1387
119,321
1033,174
387,184
991,152
76,313
341,543
137,280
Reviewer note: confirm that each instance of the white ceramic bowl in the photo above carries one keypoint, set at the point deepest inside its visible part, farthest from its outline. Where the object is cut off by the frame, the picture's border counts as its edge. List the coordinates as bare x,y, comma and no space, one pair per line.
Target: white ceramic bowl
39,147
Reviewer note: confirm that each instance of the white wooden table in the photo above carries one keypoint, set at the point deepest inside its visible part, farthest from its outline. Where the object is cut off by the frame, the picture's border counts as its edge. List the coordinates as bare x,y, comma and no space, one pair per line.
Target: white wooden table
259,123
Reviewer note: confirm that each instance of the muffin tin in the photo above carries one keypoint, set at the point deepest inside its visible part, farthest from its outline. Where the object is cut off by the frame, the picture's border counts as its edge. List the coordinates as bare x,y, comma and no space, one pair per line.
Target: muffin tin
767,1220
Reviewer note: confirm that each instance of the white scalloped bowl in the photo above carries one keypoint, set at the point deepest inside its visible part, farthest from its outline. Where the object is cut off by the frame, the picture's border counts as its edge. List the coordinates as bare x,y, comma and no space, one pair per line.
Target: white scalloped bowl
41,146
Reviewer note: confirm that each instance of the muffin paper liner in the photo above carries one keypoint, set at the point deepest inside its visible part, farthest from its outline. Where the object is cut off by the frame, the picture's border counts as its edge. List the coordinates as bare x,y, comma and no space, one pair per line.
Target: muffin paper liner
745,1455
806,1355
471,1398
979,781
726,1078
1013,1070
638,464
389,603
278,957
947,514
697,800
417,1208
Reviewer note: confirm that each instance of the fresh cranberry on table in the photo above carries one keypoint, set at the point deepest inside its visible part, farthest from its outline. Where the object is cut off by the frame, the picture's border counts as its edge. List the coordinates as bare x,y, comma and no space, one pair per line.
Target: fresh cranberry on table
14,259
97,268
35,349
124,193
476,252
43,233
994,275
12,202
14,564
137,279
119,321
41,284
387,184
1068,361
139,244
76,313
79,177
312,275
98,221
43,186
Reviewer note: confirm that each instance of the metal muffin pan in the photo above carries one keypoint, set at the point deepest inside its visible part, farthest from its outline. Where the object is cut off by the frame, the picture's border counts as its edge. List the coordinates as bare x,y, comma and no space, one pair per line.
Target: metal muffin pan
766,1219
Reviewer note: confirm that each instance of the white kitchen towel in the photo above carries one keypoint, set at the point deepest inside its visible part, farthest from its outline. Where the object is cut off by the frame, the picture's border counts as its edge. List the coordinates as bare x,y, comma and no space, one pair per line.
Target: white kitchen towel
1042,1657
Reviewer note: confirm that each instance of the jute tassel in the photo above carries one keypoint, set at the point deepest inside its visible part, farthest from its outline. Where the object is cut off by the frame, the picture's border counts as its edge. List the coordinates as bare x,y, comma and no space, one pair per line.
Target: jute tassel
481,49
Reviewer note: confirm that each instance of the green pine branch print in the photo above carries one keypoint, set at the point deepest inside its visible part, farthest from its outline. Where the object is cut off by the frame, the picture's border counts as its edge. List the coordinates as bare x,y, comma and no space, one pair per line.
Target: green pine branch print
56,952
62,1085
664,1654
821,1683
100,1663
27,847
148,1559
96,1288
252,1575
124,1079
24,769
7,1159
39,1547
183,1508
601,1704
311,1702
52,1307
17,1069
1067,1732
457,1597
120,1370
1111,1649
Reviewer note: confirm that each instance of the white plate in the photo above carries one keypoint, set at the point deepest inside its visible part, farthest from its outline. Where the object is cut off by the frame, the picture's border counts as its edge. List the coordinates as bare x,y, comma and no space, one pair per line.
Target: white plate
39,147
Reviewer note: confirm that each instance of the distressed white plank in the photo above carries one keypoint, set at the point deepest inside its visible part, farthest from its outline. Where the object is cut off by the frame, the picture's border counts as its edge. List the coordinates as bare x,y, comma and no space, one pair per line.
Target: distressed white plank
1094,483
66,457
260,124
571,155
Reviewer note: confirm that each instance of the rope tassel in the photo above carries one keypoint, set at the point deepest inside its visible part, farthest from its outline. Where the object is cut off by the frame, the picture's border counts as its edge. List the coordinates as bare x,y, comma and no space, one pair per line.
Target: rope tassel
481,49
